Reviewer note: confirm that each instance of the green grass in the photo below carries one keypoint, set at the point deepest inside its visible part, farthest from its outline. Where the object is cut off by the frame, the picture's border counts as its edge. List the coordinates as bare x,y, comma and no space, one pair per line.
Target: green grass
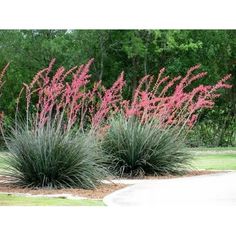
213,149
13,200
215,161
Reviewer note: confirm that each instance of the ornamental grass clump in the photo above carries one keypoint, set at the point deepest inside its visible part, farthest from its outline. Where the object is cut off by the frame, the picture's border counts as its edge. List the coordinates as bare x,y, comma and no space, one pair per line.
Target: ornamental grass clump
50,157
144,149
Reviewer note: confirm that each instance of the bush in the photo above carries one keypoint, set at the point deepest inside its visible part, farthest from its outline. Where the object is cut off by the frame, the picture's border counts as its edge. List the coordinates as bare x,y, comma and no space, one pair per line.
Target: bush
48,157
144,149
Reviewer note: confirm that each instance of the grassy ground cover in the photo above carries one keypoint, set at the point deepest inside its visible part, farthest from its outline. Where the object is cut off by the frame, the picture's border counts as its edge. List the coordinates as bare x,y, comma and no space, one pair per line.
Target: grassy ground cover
13,200
213,149
219,158
215,161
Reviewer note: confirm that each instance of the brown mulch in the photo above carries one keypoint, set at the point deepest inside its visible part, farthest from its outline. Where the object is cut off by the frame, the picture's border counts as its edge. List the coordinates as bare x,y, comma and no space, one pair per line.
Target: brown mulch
98,193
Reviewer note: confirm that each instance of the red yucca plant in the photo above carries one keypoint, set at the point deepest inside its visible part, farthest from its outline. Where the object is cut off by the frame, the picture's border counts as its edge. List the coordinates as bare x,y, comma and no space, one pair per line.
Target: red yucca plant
69,94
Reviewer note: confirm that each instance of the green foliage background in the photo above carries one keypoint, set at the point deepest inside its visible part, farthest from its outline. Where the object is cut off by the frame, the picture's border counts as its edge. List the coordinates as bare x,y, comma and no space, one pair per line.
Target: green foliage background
137,52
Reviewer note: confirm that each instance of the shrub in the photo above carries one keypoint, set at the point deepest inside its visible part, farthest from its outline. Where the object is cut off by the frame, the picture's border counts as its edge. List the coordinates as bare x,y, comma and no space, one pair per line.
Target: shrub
50,157
144,149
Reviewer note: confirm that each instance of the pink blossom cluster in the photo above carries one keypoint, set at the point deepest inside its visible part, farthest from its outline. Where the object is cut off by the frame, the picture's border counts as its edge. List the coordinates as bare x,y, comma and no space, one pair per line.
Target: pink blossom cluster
171,101
68,95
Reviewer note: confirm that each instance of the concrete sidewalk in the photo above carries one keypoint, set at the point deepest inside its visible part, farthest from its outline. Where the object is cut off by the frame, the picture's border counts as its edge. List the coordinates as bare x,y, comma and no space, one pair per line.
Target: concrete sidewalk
212,190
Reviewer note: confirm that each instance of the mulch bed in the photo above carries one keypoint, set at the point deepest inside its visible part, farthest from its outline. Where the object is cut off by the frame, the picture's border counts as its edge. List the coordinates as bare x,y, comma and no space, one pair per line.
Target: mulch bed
98,193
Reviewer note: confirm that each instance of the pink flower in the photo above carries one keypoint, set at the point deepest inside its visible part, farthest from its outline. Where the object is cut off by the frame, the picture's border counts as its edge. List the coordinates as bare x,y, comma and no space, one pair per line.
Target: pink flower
171,101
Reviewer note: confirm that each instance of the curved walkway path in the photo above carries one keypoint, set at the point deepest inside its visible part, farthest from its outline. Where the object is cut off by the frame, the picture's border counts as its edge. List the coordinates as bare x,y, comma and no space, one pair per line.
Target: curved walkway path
213,189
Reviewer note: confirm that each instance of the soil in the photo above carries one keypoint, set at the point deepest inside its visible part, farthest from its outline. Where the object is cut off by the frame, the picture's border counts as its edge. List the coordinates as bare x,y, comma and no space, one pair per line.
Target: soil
98,193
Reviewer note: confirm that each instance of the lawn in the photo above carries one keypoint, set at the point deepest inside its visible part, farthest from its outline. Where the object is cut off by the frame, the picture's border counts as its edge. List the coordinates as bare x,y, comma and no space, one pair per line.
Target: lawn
213,149
219,158
13,200
215,161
